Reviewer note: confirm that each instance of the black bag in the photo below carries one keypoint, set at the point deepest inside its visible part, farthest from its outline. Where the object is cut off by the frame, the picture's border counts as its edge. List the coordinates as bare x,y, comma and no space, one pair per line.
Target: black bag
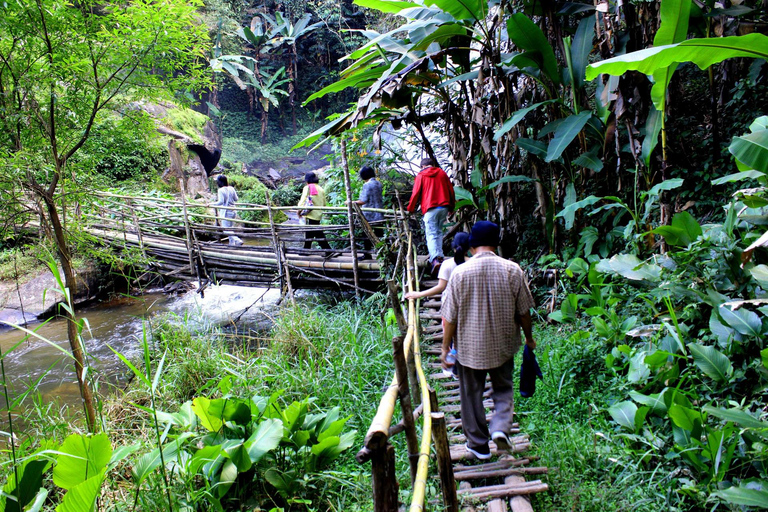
529,370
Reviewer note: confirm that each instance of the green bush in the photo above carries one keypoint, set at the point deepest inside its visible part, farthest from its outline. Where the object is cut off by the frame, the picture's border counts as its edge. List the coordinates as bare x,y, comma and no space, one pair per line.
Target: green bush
124,148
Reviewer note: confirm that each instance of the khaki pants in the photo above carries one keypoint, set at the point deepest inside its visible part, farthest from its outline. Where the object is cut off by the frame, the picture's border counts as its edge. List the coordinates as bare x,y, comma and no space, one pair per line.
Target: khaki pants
471,387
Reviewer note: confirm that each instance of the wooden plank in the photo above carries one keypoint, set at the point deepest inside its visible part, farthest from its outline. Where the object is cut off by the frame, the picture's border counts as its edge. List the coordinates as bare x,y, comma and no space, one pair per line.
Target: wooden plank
497,505
518,503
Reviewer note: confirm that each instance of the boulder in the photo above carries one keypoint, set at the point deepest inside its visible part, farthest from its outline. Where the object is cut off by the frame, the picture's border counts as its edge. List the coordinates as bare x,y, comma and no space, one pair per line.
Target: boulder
37,299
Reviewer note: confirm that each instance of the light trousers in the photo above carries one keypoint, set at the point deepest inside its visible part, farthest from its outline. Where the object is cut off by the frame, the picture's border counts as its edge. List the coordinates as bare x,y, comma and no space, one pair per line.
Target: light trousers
433,230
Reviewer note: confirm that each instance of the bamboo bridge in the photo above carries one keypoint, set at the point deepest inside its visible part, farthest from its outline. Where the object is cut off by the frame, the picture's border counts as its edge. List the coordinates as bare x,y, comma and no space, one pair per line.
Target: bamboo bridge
183,239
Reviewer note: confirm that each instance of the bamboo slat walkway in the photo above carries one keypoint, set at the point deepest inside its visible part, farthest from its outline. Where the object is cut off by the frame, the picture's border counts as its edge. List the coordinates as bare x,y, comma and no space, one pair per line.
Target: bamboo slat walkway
503,484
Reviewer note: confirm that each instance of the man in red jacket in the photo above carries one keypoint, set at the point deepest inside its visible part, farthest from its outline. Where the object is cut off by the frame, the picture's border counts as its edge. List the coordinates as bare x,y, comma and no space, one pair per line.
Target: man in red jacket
434,190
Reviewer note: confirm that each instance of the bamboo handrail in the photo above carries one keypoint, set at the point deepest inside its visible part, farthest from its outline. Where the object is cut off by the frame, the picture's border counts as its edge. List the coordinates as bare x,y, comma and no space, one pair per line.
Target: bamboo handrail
253,207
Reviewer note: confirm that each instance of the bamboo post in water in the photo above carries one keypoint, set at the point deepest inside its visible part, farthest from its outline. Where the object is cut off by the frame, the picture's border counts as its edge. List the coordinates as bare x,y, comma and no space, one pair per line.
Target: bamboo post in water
138,229
348,186
192,267
406,405
444,464
276,243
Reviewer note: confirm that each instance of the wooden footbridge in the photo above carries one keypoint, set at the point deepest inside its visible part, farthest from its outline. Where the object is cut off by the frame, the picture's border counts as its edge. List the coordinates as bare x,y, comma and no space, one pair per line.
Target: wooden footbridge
183,239
433,397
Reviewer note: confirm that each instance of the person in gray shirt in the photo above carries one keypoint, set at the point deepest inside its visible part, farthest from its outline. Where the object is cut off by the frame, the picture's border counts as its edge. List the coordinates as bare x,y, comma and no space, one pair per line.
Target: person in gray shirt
371,197
227,197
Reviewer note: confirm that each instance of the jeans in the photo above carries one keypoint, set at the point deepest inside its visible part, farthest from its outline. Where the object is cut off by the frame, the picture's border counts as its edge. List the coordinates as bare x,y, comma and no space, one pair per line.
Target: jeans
433,230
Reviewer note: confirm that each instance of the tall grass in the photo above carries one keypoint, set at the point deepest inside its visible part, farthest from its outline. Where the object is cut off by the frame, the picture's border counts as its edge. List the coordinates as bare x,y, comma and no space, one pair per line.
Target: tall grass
569,430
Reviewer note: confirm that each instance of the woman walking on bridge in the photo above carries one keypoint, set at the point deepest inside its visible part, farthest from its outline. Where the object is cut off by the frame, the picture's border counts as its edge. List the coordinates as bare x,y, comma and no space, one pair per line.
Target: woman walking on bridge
313,195
227,197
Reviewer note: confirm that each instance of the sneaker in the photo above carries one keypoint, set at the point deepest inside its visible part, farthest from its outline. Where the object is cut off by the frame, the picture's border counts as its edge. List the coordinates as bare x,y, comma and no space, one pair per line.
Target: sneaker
435,271
502,440
482,453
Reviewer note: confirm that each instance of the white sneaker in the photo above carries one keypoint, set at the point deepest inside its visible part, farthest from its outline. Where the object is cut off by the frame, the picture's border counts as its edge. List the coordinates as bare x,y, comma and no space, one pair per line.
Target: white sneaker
502,440
478,455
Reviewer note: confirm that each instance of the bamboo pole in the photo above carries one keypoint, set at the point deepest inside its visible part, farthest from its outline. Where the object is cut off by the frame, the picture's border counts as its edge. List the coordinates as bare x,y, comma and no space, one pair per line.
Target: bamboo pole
444,464
288,283
350,217
275,242
402,325
406,407
186,225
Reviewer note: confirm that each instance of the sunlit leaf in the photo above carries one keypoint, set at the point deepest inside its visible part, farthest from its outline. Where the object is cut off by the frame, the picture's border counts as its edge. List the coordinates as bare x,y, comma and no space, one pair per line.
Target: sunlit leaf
80,458
702,52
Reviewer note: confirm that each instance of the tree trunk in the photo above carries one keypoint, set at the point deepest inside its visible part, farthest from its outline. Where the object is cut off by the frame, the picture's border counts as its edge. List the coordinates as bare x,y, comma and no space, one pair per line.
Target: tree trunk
78,354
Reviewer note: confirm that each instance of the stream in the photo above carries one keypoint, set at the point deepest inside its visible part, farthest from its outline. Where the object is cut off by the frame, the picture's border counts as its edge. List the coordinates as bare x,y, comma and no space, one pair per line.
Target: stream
118,323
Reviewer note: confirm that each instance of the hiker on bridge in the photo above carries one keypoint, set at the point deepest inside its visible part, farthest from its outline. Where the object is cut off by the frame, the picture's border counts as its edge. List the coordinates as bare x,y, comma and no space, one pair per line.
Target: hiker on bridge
313,195
227,197
486,303
460,246
371,197
434,190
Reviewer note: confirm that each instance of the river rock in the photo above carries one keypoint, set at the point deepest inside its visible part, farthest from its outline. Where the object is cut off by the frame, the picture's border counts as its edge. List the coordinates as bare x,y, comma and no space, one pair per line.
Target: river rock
37,299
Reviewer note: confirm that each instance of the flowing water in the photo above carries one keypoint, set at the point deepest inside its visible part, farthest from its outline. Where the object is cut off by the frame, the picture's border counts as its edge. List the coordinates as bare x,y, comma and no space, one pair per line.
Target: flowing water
117,323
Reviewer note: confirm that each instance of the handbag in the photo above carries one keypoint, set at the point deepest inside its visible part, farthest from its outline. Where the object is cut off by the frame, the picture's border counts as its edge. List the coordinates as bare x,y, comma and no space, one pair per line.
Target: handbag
304,213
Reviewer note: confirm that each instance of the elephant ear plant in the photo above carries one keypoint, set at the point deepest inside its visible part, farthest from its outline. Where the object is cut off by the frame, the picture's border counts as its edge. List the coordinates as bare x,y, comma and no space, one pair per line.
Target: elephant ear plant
246,450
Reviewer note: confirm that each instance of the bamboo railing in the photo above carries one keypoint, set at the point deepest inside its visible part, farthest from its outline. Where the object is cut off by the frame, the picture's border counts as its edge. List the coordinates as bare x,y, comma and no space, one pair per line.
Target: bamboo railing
408,369
184,238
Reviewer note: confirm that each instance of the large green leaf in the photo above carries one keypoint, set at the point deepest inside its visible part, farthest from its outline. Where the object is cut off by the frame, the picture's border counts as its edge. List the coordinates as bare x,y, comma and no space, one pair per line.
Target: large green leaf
571,209
517,117
711,361
565,133
764,357
744,321
30,476
510,179
655,401
570,198
388,6
674,28
624,413
528,36
752,150
702,52
652,129
590,160
80,458
534,147
462,9
582,46
266,438
682,232
82,497
360,79
744,496
685,418
630,267
737,416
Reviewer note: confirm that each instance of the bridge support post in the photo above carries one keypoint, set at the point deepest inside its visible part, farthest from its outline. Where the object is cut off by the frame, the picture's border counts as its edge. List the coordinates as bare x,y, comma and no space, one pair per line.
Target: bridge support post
406,405
385,486
444,464
350,215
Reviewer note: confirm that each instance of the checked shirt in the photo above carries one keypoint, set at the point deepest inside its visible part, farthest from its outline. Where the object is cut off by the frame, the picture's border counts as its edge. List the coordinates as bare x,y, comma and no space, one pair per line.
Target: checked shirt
484,298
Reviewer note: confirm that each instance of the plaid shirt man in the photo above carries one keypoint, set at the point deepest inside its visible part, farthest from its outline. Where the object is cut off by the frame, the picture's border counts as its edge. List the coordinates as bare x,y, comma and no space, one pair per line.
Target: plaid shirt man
485,298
